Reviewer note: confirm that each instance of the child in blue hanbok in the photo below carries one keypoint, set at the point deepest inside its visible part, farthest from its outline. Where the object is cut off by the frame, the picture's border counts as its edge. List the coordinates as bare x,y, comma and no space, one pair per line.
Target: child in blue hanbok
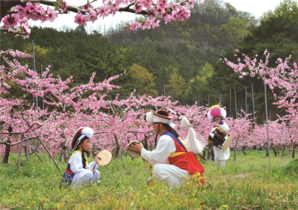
78,171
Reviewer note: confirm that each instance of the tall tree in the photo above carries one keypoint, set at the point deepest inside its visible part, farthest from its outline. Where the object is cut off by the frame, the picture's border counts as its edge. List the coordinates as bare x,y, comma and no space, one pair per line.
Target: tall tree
145,80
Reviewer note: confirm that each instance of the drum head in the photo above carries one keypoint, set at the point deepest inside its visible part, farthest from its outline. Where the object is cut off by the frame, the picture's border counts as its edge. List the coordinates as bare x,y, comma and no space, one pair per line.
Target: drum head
103,158
227,143
133,154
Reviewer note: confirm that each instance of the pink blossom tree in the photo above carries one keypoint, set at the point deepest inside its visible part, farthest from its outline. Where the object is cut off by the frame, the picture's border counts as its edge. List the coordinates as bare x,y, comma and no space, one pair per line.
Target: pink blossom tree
115,122
15,14
22,118
283,78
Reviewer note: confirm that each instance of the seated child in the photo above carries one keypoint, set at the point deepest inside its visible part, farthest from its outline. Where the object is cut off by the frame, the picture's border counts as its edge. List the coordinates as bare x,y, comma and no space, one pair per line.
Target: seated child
78,170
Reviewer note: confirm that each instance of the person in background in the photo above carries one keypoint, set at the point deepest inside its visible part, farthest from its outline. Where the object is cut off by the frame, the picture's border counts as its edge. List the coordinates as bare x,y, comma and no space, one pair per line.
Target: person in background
218,135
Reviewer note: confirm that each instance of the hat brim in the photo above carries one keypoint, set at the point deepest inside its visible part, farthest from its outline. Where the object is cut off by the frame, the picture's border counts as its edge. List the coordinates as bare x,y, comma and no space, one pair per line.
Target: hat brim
75,137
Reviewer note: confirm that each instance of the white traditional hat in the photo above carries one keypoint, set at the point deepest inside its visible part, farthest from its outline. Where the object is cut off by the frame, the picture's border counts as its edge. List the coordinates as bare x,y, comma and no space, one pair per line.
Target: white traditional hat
214,111
160,116
80,134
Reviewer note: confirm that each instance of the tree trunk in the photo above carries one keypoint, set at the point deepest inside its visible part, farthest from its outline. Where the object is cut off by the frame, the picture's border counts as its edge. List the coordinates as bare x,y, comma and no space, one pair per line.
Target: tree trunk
282,152
204,153
26,149
125,153
60,159
274,150
209,153
293,150
147,144
235,151
20,153
7,151
118,152
243,151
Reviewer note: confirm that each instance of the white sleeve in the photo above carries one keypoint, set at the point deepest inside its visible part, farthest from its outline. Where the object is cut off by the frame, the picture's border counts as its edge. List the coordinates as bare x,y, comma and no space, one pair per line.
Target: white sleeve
165,147
76,164
224,127
192,143
91,165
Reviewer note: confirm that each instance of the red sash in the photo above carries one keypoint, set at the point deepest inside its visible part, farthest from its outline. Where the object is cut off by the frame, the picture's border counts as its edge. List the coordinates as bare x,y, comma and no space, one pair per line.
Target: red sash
185,160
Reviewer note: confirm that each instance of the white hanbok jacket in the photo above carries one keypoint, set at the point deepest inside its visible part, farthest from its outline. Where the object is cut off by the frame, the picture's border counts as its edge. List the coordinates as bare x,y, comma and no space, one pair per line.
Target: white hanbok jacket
76,174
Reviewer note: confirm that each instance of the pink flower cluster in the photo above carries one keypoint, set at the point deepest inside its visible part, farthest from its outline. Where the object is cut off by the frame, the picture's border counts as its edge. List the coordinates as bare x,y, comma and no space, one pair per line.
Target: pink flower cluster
283,77
19,21
160,10
152,9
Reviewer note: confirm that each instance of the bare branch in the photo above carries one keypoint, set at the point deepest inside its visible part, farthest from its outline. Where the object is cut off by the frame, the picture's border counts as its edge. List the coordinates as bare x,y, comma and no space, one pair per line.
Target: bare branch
10,133
126,9
16,143
99,133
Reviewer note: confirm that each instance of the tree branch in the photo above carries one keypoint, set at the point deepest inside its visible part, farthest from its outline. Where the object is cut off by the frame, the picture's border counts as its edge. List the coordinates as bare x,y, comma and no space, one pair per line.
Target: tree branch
16,143
15,32
7,7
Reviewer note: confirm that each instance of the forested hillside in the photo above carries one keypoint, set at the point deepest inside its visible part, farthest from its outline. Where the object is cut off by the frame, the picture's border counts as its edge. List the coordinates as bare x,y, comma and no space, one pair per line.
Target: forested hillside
182,55
214,25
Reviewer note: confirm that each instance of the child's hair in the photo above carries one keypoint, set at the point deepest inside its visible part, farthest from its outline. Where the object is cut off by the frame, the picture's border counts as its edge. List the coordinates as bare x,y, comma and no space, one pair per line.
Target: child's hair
83,139
83,152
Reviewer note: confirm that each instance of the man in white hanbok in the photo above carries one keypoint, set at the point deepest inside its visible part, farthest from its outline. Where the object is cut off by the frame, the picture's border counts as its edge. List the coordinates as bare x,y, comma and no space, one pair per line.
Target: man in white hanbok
173,159
78,171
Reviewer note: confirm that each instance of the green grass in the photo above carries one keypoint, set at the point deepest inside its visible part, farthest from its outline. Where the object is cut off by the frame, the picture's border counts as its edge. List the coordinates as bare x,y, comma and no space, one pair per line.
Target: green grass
244,184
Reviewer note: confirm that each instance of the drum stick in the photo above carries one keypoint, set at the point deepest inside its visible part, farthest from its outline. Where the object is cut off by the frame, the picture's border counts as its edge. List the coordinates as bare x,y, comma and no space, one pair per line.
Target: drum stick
95,163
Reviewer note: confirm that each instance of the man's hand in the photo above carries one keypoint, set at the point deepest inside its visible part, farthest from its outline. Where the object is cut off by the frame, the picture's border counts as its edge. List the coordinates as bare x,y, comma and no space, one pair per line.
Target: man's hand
136,147
93,171
216,125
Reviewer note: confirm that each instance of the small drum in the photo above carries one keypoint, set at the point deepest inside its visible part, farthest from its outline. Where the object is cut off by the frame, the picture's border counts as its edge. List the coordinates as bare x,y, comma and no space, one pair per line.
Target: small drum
220,142
103,158
227,143
133,154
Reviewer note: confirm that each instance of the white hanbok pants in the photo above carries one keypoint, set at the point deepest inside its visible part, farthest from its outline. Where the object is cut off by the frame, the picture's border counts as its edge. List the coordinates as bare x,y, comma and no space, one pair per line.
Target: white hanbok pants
170,174
85,177
221,156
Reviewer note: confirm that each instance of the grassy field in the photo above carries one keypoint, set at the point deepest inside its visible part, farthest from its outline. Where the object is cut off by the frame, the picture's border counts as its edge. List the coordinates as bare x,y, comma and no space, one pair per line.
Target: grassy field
244,184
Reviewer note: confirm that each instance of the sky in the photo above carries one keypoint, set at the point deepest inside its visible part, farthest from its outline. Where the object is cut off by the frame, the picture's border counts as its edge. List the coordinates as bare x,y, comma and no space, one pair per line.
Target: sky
255,7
